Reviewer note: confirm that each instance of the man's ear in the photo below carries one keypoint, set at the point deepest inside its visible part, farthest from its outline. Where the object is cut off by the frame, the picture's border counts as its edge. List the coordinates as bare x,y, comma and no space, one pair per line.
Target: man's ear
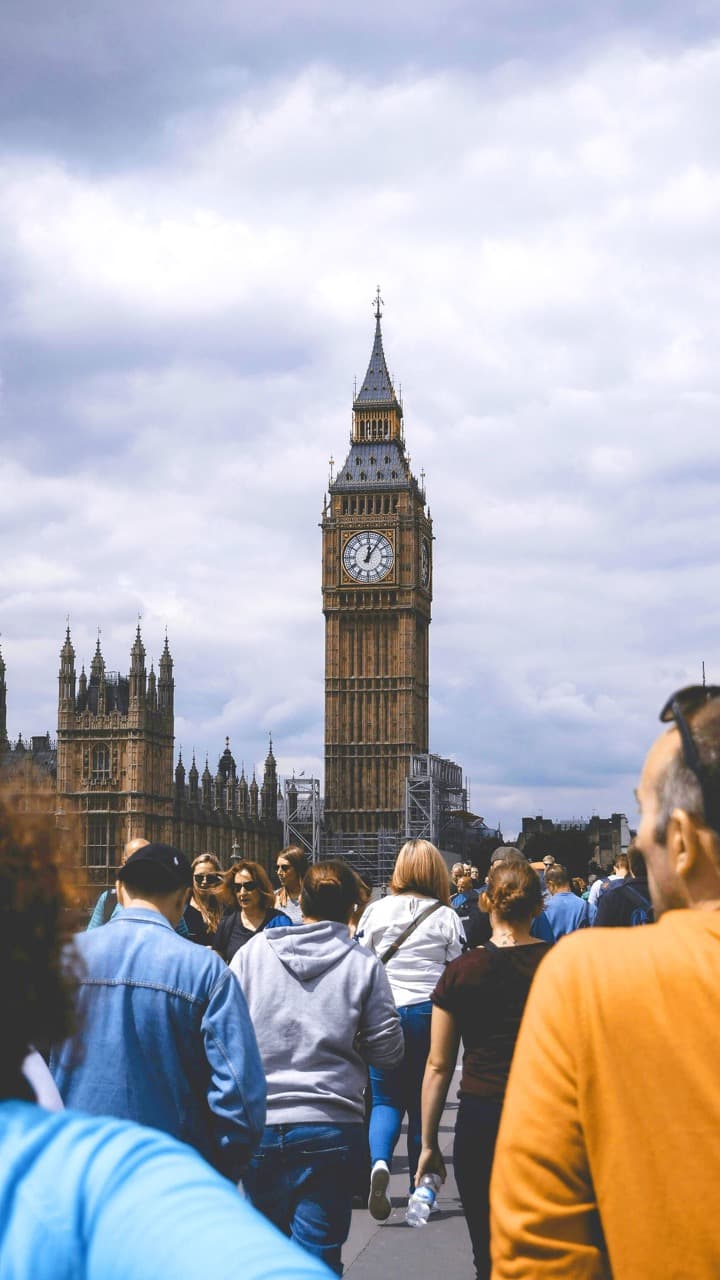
683,843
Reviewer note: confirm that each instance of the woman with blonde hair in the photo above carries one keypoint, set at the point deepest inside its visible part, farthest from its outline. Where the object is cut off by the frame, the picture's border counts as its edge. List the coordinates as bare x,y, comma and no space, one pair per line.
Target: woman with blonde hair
480,999
250,885
414,932
291,865
209,899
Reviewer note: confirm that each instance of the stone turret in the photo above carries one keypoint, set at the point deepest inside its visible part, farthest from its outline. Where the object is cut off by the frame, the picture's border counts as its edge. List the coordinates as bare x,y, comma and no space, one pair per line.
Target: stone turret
180,778
193,787
207,786
243,795
138,678
66,677
166,684
268,795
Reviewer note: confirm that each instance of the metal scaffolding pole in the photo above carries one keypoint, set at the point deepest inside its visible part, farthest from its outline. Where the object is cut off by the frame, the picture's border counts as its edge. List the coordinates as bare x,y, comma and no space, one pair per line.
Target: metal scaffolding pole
301,820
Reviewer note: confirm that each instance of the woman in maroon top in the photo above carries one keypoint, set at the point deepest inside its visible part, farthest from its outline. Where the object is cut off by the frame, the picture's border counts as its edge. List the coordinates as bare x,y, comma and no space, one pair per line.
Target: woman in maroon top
480,999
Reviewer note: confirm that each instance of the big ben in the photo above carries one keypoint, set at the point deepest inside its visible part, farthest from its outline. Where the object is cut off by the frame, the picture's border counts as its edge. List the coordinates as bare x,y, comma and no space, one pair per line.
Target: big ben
377,594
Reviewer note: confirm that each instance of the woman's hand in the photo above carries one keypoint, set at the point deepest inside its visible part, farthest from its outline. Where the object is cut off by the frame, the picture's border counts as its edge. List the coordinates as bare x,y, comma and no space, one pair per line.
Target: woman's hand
430,1161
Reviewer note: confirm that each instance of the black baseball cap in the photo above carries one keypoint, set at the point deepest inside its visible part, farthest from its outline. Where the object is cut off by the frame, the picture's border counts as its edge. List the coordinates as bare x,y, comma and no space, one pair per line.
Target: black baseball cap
162,864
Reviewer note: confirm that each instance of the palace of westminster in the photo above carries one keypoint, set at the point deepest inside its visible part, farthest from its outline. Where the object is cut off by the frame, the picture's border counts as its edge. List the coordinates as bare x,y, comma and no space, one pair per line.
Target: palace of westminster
111,767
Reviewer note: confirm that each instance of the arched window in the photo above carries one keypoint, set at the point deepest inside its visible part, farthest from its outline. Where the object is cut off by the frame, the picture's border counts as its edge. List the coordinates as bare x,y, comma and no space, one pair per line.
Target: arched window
101,763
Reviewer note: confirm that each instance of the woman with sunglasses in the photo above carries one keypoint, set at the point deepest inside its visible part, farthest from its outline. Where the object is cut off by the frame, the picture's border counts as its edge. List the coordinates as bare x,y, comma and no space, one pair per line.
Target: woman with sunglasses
209,899
291,866
254,911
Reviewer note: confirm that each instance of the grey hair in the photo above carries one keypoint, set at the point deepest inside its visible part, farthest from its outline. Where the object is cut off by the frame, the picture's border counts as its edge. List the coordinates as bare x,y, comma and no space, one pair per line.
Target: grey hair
678,788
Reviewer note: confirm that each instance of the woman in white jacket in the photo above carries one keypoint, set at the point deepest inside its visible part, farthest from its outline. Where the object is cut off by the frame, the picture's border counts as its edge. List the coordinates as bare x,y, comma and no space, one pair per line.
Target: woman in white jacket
418,908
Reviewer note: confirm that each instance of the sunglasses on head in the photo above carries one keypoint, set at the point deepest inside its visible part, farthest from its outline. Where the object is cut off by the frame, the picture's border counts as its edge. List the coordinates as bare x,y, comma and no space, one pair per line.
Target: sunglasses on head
207,877
678,707
245,884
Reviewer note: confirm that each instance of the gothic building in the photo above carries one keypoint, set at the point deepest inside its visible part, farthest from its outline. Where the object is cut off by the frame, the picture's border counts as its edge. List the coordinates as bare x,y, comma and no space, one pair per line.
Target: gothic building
377,592
112,770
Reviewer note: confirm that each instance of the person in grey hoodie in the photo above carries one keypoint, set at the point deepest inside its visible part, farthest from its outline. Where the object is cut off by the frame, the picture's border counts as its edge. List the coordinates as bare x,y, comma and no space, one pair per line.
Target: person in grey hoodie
322,1009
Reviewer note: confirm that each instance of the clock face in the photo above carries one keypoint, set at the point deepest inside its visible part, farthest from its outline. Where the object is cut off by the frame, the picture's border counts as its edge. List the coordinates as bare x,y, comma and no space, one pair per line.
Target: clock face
424,562
368,556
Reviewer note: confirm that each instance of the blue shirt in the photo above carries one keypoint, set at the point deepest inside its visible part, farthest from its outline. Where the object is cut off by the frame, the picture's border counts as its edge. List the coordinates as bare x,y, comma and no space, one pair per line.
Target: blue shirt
165,1039
566,913
107,1200
98,916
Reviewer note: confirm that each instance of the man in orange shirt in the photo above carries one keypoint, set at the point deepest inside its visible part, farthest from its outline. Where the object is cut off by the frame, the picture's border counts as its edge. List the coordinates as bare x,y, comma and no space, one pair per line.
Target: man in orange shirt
608,1156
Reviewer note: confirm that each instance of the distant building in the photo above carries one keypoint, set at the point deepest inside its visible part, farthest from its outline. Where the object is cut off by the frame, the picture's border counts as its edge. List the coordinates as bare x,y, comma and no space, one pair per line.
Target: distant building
606,837
111,771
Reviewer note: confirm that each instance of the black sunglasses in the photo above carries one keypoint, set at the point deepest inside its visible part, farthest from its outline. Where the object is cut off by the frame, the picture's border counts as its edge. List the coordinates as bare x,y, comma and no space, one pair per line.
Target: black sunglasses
678,706
245,884
282,866
207,877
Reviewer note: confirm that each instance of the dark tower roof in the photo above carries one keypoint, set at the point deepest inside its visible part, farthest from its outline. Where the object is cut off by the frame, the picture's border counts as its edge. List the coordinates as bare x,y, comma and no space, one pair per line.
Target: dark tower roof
226,764
166,662
97,666
137,653
67,653
193,774
377,388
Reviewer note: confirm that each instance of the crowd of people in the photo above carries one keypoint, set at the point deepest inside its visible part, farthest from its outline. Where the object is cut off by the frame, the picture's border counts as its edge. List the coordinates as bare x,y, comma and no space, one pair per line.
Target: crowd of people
212,1038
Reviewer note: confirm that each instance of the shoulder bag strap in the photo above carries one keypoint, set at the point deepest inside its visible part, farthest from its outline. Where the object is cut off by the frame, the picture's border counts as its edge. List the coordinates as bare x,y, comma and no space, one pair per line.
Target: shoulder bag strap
391,951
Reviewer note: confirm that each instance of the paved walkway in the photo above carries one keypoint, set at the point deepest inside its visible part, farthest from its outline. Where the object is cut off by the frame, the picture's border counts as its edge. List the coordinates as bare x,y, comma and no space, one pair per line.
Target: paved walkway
390,1250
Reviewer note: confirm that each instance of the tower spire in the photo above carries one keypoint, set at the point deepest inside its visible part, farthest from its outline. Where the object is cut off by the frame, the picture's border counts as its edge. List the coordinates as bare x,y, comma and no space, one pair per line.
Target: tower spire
66,677
377,388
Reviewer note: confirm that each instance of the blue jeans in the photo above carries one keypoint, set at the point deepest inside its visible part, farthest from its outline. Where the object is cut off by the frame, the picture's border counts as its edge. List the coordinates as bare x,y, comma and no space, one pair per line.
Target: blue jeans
396,1090
301,1179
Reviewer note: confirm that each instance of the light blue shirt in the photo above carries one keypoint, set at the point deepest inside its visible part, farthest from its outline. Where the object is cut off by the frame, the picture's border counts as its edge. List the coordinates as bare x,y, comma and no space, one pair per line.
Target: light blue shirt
107,1200
165,1039
566,913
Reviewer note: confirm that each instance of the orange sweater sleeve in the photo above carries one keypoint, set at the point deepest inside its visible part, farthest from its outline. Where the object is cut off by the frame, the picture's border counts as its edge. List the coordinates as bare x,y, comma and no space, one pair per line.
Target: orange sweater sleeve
544,1218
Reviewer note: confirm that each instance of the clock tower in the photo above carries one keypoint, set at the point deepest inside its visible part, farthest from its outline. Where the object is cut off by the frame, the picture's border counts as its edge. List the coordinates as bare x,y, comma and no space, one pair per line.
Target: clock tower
377,592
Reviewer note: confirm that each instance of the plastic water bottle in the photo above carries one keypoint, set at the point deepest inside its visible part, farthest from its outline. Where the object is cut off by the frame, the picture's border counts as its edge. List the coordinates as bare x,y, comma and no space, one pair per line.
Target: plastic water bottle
422,1201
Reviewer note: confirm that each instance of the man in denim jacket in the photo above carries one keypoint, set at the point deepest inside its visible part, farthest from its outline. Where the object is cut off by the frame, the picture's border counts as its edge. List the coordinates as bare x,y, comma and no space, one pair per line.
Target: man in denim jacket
164,1035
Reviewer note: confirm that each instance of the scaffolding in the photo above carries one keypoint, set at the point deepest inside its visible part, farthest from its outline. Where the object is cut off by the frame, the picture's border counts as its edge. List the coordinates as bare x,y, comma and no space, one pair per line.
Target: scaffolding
301,819
371,854
433,790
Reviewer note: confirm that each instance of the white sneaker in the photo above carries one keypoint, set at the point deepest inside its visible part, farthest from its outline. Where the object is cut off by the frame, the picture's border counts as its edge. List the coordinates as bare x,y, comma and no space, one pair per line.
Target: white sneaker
379,1200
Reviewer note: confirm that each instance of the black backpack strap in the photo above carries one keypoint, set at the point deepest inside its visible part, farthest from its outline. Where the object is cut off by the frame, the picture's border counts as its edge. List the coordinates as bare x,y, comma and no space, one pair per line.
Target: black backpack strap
637,897
392,950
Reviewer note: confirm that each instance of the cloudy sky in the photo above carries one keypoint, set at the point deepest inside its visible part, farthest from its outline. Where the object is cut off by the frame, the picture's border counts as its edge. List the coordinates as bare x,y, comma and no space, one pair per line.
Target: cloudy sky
195,211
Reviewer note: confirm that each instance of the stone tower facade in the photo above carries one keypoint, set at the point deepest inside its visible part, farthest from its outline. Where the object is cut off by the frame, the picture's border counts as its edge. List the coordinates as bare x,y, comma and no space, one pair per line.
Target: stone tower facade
115,776
115,753
377,594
